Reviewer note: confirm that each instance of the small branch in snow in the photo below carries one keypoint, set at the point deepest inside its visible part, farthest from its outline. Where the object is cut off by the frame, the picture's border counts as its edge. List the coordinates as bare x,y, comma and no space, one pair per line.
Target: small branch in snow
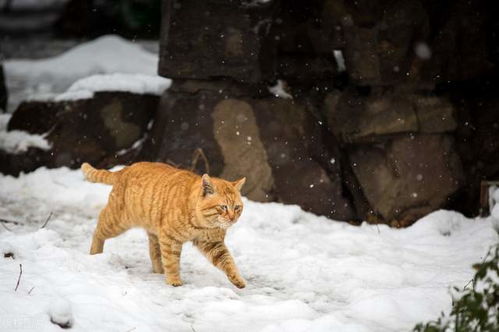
19,278
47,220
29,292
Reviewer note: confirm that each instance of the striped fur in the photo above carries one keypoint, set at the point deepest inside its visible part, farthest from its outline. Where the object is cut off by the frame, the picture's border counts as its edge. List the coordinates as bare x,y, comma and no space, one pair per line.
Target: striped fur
174,206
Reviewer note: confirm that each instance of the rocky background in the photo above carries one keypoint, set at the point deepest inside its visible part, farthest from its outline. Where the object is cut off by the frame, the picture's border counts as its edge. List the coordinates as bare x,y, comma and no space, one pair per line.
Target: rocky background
386,109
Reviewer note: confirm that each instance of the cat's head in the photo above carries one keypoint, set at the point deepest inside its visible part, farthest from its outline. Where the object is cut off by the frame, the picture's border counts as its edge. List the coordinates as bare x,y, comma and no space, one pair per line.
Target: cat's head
219,204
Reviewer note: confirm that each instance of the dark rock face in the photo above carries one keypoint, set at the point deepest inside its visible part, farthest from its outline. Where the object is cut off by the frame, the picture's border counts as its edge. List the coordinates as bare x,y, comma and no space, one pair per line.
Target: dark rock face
407,177
374,73
211,39
101,130
354,118
392,115
3,90
405,163
13,164
277,144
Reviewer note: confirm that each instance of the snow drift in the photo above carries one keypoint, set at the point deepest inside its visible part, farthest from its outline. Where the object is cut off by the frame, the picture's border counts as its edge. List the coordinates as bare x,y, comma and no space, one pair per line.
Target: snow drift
304,273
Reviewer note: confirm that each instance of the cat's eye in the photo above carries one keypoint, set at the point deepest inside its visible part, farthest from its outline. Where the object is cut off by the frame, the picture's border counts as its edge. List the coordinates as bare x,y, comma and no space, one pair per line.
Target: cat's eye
238,207
223,207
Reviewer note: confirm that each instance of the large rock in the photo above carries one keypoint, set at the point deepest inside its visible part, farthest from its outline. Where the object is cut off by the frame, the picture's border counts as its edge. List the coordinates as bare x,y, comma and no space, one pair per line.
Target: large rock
407,177
355,118
15,163
379,40
212,39
462,47
274,142
413,42
477,140
105,130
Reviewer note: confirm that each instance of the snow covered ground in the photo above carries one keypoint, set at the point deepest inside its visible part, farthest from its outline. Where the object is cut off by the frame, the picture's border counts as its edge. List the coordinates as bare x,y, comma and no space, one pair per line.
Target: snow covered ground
32,79
304,273
17,141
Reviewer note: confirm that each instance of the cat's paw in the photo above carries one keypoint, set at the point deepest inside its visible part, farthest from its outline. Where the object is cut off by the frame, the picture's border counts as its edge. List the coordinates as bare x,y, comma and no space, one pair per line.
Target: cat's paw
237,281
175,282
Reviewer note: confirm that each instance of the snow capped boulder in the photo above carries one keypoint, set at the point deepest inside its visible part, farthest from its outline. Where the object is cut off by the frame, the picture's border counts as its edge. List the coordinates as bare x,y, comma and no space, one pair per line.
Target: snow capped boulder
88,123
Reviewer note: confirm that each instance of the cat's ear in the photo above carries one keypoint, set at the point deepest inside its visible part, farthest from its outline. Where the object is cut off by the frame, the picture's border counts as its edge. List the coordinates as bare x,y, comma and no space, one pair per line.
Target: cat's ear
208,188
239,183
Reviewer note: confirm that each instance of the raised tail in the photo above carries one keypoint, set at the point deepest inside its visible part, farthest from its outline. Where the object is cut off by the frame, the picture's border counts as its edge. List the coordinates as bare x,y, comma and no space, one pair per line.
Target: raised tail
98,175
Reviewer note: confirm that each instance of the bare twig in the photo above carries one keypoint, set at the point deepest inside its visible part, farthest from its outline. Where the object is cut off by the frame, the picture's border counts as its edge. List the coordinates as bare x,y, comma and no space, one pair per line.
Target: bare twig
29,293
19,278
195,157
5,221
47,221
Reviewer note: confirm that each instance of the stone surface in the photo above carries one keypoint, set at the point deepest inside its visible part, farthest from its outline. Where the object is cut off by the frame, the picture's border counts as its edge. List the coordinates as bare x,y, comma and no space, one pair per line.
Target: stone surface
379,39
463,46
408,177
435,115
14,164
355,118
238,135
275,143
305,164
101,130
477,141
212,39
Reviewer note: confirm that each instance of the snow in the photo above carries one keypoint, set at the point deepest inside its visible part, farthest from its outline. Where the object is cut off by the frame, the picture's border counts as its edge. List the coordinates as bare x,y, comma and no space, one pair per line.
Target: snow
304,272
340,60
133,83
108,54
60,313
17,141
279,90
422,50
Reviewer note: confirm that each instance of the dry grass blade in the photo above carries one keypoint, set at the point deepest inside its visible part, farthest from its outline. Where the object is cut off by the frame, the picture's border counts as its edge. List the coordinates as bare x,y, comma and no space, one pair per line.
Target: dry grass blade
47,221
19,278
195,157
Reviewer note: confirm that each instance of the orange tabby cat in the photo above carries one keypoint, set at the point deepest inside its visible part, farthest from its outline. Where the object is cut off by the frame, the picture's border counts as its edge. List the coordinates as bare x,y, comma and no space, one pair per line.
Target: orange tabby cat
174,206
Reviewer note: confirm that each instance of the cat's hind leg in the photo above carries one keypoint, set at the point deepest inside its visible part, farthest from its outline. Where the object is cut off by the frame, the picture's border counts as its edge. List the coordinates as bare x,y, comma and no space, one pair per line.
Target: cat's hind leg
108,226
155,253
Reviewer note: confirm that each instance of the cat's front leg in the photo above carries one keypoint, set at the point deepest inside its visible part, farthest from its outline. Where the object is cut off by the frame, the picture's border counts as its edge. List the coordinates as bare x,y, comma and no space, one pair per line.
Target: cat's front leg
170,257
218,254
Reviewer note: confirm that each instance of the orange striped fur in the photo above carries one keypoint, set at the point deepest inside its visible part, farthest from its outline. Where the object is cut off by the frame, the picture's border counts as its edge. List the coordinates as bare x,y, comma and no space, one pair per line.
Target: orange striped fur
174,206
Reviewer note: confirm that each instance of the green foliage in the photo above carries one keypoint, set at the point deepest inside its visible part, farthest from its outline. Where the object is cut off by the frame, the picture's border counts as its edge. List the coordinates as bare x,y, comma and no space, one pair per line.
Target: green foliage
476,308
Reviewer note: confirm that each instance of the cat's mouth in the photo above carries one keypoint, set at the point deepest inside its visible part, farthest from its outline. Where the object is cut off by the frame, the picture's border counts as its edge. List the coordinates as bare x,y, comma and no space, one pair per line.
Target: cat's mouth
225,223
